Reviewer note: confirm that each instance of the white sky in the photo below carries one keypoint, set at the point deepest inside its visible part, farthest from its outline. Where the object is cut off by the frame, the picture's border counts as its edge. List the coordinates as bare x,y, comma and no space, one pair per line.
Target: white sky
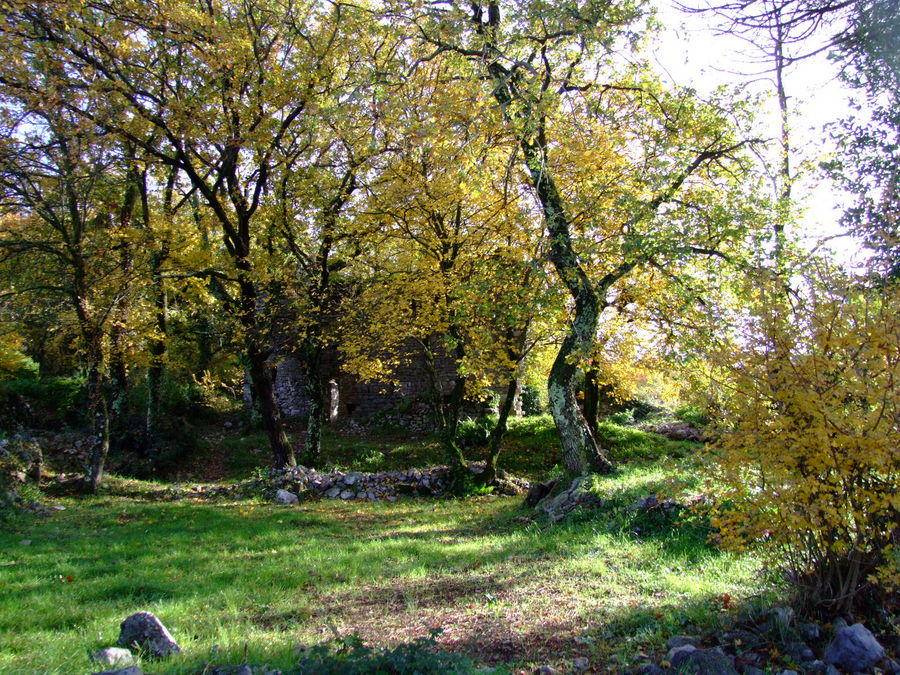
692,53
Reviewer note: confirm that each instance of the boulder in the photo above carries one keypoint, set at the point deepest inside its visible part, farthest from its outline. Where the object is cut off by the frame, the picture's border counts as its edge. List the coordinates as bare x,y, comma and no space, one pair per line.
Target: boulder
581,664
647,669
130,670
285,497
144,631
692,661
799,651
112,657
537,491
854,649
681,640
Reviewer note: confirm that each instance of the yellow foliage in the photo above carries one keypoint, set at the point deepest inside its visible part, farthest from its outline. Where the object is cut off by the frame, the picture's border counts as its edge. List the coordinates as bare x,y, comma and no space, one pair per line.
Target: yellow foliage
809,449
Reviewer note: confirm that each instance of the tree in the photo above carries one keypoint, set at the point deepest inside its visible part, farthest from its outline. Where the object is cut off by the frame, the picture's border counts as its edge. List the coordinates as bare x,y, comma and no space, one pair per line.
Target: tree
607,161
225,94
62,202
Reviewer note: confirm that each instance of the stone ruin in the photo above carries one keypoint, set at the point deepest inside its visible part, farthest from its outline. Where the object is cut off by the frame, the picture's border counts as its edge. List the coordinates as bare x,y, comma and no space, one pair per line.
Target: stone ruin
402,403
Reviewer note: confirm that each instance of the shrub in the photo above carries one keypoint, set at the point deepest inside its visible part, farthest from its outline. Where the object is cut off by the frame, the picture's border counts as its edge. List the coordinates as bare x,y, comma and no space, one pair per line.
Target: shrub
474,433
532,401
49,400
809,448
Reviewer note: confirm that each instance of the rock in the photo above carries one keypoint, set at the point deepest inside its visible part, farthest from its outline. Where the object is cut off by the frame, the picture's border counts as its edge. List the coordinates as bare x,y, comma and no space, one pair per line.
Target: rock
753,670
681,640
130,670
545,670
113,656
740,638
831,670
144,631
242,669
691,661
647,669
581,663
854,649
799,651
351,478
892,667
25,542
285,497
674,651
814,666
333,492
809,631
787,672
537,491
348,494
781,618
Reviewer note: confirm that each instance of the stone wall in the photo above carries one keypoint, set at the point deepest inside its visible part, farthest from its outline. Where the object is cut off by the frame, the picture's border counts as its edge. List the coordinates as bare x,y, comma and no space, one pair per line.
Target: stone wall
352,398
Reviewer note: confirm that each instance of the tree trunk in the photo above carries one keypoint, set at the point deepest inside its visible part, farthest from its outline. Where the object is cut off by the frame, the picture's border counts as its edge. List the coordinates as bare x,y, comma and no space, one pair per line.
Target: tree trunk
490,472
100,421
311,360
591,399
159,342
446,414
261,377
156,372
581,452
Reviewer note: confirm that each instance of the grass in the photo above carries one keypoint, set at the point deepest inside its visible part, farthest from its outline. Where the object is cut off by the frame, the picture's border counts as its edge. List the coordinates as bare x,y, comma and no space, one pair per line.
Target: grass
530,449
223,576
507,588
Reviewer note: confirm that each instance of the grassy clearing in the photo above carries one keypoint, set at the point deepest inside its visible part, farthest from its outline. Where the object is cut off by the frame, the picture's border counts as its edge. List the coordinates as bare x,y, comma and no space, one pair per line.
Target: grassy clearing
505,589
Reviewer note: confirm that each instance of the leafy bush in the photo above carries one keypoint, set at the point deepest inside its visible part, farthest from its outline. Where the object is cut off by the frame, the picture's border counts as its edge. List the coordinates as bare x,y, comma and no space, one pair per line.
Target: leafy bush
532,401
51,400
349,656
693,414
809,451
474,433
20,461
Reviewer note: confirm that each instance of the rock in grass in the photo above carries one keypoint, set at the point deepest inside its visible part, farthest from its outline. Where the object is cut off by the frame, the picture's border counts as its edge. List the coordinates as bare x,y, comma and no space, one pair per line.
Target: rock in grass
681,640
113,657
145,631
854,649
692,661
799,651
581,663
285,497
130,670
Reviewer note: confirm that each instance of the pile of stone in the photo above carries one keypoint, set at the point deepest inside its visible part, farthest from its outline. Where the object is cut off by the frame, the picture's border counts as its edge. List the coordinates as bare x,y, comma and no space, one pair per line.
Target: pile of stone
678,431
852,649
20,461
558,504
300,481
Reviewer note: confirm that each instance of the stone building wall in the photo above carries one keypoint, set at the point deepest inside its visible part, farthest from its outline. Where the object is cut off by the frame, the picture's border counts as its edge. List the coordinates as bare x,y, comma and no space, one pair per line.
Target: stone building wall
355,399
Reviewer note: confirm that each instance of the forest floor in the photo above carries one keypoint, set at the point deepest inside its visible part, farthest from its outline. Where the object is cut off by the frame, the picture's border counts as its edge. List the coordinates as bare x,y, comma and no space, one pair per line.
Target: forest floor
504,585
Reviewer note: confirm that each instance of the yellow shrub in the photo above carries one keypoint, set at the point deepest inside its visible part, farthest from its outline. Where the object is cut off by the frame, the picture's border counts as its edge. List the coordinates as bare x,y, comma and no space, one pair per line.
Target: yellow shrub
810,438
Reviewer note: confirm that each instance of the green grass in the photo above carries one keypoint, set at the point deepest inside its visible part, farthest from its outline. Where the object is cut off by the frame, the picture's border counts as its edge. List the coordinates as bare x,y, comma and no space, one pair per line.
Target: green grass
505,588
